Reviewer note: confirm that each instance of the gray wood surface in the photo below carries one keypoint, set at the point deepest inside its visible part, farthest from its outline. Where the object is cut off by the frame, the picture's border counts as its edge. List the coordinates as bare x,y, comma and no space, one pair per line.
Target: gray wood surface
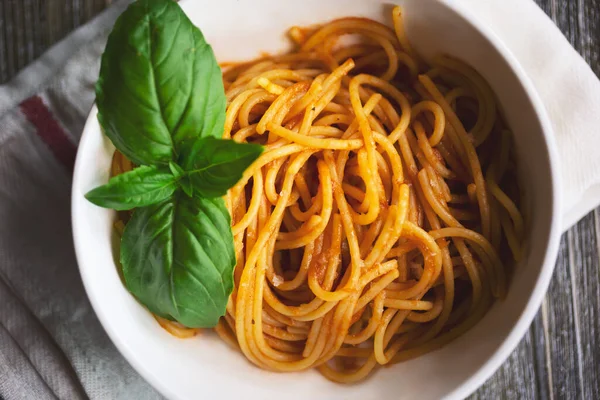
559,358
29,27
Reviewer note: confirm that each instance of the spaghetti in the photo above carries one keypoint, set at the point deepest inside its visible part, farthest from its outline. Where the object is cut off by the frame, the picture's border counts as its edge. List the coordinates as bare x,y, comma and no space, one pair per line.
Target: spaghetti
382,218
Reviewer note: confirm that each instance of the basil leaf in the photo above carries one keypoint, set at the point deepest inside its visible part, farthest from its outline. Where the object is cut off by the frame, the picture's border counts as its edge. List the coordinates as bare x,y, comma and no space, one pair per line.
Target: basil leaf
176,170
186,185
215,165
178,259
137,188
159,83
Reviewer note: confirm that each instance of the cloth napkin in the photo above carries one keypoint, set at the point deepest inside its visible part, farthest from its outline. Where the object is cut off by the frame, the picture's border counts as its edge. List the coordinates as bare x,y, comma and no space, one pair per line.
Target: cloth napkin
51,344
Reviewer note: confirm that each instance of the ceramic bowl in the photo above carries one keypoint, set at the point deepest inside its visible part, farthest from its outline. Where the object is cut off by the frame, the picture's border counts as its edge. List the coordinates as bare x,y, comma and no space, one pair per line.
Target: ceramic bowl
205,367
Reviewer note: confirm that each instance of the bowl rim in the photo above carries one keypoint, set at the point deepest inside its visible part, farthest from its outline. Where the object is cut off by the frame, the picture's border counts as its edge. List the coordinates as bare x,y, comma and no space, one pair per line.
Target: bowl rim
506,347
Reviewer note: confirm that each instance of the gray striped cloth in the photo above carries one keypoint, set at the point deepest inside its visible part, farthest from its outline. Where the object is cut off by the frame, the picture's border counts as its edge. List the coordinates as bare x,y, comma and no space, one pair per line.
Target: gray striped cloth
51,343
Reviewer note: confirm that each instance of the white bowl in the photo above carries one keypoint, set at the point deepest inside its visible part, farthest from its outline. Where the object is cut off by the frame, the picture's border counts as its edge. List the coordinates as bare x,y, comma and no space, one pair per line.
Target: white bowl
204,367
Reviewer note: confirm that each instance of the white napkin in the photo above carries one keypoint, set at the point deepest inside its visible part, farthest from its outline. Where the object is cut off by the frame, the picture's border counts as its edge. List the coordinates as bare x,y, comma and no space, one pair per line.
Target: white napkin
569,90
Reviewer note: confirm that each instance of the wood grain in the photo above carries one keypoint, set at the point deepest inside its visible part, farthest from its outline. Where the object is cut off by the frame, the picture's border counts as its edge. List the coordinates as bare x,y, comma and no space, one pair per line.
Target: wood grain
29,27
585,273
559,357
561,314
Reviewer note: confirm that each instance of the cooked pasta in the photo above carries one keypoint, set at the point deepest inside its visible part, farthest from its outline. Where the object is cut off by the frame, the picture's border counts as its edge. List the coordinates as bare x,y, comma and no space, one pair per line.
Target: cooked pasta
382,219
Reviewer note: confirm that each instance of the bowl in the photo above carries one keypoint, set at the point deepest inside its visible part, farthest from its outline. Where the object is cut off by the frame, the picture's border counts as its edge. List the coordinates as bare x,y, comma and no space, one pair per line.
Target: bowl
205,366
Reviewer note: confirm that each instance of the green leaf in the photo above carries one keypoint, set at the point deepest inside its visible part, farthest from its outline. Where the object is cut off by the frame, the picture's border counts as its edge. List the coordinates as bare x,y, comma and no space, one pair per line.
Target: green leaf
176,170
178,259
159,83
186,185
137,188
215,165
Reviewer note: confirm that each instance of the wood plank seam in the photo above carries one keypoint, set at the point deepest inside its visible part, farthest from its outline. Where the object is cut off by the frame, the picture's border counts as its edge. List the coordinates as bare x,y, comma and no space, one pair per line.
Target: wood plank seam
548,350
575,299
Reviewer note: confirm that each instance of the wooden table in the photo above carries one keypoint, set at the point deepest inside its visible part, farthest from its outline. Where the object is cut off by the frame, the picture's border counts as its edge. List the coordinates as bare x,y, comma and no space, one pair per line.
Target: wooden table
560,355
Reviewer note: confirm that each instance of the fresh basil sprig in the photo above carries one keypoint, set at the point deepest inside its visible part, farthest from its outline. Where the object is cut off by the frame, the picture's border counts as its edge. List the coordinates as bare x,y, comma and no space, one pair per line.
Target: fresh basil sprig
161,102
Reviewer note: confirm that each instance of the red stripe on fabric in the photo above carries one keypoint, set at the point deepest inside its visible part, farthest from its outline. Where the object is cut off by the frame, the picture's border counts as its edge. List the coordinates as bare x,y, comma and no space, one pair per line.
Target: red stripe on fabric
50,131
